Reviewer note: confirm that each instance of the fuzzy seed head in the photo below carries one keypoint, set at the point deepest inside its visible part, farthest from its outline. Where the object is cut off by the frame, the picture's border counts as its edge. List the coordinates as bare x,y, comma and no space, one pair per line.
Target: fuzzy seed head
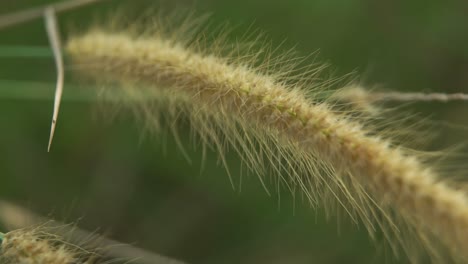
27,248
278,129
37,246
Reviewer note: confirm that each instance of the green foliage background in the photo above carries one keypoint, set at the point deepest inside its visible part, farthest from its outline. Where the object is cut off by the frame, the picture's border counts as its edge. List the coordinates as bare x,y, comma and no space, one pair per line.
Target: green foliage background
142,190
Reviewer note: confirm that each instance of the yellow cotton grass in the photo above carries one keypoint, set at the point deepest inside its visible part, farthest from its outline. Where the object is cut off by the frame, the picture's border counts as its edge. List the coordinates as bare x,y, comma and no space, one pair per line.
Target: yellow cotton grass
277,130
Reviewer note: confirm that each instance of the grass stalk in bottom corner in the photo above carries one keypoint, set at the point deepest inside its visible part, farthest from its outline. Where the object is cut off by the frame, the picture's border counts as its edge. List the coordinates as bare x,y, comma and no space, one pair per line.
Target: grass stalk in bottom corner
34,245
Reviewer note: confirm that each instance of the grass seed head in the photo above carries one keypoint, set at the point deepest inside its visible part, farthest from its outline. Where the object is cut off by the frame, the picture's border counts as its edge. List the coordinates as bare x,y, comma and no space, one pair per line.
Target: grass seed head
37,246
279,126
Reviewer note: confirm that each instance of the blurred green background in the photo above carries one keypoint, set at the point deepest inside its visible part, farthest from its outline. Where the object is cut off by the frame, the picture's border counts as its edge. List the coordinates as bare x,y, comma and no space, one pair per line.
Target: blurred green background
143,191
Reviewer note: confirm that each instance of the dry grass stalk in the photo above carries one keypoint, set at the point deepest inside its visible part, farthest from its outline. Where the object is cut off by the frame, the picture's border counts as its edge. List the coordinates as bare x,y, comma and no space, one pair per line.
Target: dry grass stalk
359,95
418,97
49,14
275,127
54,39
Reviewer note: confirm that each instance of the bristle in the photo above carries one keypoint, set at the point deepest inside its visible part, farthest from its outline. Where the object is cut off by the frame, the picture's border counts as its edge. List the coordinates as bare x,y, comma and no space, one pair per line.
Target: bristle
279,130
